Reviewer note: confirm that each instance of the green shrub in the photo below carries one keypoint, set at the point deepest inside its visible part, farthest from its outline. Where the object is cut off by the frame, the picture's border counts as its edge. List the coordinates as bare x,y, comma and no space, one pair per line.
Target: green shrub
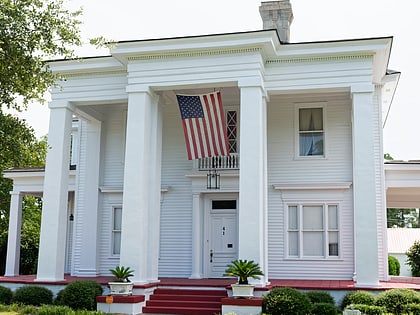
369,309
357,297
320,297
396,300
413,309
55,310
33,295
28,309
6,295
413,258
393,266
80,295
286,301
323,309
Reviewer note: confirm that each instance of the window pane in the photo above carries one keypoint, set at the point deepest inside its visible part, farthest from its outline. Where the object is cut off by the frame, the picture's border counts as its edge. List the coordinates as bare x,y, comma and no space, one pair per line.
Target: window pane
117,218
116,246
293,243
293,218
333,243
332,218
313,244
312,218
311,143
310,119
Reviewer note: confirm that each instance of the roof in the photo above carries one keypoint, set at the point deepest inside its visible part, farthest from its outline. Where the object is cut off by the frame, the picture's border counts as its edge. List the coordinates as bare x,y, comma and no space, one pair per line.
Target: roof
400,239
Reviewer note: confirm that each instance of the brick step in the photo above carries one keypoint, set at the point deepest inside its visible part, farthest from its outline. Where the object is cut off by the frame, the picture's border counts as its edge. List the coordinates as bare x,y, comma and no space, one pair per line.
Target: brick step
221,293
184,303
181,310
196,297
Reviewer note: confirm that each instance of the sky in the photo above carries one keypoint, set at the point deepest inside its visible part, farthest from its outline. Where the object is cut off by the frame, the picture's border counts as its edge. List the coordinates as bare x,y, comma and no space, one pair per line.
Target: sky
314,20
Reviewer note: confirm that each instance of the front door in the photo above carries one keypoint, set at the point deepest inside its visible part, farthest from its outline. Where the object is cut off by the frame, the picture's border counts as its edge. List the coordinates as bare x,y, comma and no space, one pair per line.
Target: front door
222,235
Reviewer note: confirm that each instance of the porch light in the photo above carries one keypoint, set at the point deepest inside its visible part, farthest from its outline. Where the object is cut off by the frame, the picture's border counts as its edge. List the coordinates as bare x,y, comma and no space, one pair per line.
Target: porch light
213,179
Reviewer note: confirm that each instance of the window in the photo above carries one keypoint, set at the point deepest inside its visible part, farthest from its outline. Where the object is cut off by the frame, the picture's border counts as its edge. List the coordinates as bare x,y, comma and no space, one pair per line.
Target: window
311,131
313,231
116,230
231,125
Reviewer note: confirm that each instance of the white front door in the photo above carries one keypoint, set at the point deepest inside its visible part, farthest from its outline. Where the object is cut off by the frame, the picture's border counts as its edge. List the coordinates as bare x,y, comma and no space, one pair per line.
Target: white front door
222,235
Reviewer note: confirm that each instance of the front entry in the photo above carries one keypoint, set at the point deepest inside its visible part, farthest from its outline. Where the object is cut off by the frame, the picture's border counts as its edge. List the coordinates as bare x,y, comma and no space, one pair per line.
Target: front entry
222,234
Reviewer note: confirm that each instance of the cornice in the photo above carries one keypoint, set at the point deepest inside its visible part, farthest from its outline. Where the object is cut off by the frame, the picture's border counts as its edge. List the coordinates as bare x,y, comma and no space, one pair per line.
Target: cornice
94,74
188,54
318,59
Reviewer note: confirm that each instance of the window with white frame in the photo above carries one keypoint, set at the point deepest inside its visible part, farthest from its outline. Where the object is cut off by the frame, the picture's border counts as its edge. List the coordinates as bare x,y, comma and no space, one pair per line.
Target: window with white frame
116,230
311,133
313,231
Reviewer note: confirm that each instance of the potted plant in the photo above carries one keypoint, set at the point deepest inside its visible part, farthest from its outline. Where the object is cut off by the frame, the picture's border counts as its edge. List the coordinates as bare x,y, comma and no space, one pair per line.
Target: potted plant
243,269
121,284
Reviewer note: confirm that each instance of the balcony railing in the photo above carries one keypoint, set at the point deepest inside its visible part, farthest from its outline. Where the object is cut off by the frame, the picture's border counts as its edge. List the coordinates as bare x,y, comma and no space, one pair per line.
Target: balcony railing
230,162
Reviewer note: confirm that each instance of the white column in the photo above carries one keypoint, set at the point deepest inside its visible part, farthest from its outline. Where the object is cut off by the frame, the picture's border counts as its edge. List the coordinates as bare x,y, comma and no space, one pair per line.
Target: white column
86,214
365,221
54,210
155,190
13,239
196,238
252,175
139,200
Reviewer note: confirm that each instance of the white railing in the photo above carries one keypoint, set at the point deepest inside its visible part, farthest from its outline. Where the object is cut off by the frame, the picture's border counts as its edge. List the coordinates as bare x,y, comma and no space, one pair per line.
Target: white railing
230,162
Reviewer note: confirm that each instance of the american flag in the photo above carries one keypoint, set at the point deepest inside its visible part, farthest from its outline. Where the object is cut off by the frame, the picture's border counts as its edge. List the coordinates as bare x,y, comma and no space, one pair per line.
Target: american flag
204,125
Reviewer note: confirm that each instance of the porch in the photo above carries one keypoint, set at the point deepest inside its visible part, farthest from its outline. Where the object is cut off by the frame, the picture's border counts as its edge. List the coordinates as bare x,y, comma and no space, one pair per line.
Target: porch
327,285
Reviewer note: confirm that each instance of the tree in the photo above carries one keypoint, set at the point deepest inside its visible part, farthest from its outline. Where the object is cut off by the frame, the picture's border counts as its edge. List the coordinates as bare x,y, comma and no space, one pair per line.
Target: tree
19,148
31,32
397,217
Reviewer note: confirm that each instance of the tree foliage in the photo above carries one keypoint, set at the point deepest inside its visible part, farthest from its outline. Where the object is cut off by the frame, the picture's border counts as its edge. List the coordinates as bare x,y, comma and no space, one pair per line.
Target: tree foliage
31,32
19,148
403,218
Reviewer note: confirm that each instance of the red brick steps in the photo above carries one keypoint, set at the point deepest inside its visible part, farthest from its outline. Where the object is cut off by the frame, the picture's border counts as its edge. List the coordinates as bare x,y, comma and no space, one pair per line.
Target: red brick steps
185,302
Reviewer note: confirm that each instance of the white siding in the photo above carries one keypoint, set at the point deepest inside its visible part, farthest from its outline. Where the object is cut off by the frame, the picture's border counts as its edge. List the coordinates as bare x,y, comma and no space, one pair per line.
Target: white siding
285,169
176,204
112,161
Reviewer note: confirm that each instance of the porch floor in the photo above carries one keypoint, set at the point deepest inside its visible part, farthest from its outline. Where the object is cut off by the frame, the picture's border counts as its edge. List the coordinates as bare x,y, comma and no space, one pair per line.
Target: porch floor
394,282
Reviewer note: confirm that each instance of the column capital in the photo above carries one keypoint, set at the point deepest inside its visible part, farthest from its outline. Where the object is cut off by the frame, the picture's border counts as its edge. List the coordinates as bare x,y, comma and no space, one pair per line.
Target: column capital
61,104
254,82
140,88
362,88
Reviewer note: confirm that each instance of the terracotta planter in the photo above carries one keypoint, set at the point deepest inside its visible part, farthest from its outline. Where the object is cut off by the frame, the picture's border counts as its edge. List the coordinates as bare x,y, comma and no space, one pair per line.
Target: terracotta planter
121,288
242,290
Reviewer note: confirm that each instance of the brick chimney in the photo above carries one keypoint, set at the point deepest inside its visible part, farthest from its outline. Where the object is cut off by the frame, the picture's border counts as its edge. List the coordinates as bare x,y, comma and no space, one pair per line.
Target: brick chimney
277,15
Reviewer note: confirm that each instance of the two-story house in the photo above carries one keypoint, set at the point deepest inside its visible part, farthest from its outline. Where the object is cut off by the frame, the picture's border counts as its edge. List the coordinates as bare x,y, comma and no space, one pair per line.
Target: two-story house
302,191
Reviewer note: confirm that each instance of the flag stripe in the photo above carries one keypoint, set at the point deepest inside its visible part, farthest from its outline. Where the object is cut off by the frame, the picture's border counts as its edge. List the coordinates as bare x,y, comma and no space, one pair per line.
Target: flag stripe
204,125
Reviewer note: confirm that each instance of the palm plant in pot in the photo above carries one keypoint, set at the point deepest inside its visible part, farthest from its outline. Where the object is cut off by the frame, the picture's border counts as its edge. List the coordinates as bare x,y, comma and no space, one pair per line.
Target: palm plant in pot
243,269
121,284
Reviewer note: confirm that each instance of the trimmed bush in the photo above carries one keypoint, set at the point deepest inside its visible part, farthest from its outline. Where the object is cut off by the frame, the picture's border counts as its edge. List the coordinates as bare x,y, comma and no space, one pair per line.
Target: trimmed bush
370,309
33,295
80,295
396,300
6,295
323,309
414,309
286,301
393,266
320,297
358,297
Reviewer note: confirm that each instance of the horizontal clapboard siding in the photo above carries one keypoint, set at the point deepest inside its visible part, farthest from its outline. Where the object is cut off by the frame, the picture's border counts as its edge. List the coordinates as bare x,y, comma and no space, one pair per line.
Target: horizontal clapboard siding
284,168
176,204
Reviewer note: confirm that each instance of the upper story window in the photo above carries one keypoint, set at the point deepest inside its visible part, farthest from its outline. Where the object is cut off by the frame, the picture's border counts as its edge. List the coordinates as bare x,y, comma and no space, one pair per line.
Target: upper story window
311,130
313,231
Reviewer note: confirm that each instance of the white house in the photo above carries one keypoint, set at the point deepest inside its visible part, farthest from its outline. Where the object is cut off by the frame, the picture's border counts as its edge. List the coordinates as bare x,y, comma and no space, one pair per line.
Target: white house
302,192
